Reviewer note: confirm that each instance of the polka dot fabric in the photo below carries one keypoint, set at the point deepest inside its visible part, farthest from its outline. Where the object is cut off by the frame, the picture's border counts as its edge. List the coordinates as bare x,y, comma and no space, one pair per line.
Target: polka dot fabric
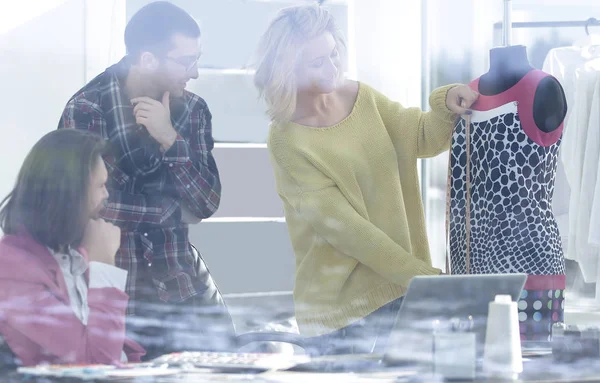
512,227
538,311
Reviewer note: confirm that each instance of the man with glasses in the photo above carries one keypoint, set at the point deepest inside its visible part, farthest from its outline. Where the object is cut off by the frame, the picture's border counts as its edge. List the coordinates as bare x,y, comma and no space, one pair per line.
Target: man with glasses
163,177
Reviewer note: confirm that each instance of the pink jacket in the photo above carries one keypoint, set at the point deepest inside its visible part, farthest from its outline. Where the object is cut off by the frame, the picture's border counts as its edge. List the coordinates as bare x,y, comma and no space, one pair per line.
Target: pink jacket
36,319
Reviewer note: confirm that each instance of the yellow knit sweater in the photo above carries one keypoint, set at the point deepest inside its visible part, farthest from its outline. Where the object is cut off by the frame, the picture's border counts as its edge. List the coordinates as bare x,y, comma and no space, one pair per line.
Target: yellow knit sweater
353,205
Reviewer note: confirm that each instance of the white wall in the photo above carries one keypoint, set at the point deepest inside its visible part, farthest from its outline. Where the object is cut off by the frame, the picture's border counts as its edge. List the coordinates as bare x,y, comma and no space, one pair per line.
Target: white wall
387,42
105,22
41,45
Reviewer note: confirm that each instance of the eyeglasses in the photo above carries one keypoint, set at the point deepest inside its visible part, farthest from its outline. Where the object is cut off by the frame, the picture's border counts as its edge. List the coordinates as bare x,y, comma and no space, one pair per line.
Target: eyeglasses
183,62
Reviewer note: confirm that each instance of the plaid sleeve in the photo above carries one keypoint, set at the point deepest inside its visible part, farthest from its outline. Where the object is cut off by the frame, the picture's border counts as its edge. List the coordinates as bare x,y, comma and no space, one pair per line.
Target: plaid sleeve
83,115
197,182
127,210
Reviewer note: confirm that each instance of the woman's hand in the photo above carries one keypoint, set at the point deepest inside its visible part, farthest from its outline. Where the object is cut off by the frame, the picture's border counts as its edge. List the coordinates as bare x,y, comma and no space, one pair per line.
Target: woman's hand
101,240
460,98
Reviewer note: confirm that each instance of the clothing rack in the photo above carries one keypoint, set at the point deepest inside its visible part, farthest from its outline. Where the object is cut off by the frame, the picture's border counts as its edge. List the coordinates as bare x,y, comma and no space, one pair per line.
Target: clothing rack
507,24
591,22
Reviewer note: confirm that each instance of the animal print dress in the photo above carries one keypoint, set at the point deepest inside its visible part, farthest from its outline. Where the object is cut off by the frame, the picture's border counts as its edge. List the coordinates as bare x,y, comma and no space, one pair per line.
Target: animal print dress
512,228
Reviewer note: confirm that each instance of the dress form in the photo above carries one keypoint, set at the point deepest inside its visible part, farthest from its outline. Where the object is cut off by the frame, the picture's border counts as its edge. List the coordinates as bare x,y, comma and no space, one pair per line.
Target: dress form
514,137
508,65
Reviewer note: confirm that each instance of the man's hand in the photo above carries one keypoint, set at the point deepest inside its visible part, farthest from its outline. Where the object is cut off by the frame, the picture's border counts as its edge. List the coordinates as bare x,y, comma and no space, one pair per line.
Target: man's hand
460,98
156,117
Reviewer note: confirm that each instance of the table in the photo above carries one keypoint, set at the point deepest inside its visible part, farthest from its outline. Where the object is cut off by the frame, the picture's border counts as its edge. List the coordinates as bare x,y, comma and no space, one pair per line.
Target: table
536,370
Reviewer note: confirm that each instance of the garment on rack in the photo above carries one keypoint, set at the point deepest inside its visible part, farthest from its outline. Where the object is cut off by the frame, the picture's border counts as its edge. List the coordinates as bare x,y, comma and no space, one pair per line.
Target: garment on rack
577,68
512,172
594,129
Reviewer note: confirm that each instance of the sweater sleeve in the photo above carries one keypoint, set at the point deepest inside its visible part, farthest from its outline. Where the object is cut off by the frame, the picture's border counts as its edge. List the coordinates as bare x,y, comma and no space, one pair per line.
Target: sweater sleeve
47,321
426,134
315,198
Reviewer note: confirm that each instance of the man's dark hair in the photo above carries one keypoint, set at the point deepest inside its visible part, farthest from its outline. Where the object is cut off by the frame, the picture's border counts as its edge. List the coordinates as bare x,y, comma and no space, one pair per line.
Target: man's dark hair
152,27
50,198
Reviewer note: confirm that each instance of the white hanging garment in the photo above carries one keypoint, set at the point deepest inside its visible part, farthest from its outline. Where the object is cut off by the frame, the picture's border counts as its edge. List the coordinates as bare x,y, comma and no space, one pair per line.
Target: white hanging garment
576,68
594,127
582,167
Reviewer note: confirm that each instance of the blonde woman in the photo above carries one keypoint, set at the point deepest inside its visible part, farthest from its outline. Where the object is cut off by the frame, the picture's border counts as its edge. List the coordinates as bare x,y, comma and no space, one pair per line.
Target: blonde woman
345,164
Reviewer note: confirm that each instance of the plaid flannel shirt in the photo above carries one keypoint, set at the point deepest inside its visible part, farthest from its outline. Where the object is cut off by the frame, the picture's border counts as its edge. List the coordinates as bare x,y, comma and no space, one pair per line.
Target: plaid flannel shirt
148,187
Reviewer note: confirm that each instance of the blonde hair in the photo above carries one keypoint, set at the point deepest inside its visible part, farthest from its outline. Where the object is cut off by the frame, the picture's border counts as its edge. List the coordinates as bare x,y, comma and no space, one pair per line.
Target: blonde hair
279,50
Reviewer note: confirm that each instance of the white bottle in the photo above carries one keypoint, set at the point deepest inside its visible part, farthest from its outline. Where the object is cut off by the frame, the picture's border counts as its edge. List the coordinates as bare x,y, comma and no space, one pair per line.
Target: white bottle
502,352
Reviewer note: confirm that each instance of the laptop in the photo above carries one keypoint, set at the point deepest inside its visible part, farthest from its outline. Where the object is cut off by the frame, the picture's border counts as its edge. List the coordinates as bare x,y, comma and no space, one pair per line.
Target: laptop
431,303
444,303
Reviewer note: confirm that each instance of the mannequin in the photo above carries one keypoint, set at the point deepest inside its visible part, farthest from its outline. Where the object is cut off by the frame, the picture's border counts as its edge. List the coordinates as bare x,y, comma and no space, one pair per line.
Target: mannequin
508,65
514,133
